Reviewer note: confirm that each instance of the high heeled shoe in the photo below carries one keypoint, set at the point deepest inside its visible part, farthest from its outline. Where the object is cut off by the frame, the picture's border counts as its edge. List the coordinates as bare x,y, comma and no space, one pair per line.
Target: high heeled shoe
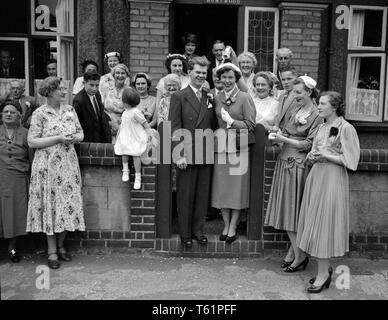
302,264
312,280
285,264
325,285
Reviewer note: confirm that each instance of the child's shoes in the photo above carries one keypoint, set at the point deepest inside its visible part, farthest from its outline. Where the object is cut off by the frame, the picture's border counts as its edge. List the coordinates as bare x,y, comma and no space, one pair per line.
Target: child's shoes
125,177
137,184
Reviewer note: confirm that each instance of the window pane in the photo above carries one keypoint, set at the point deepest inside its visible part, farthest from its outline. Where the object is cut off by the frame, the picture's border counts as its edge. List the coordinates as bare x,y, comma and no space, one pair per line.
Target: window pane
261,33
14,16
53,16
365,81
12,64
43,50
367,28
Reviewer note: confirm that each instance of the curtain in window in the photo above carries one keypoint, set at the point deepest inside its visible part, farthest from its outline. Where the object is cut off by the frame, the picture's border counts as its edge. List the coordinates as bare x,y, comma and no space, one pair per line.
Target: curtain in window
62,13
357,28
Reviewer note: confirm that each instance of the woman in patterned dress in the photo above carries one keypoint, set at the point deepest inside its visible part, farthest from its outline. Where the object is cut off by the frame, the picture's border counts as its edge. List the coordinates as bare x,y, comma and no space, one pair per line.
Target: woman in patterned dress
111,97
55,203
142,84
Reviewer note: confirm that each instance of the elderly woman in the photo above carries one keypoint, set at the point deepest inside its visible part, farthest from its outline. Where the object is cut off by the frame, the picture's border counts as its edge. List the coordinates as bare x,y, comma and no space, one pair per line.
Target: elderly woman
235,111
111,97
142,84
14,173
87,65
176,64
55,203
289,176
323,229
112,59
266,105
190,44
247,62
172,83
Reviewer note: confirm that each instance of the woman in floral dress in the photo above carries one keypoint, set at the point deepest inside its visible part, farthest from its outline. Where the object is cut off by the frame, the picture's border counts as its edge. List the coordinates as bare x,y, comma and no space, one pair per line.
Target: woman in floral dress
55,203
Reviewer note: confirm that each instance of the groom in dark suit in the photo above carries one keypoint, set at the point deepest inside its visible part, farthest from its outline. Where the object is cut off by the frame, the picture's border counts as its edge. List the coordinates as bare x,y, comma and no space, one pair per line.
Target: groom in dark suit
90,110
191,110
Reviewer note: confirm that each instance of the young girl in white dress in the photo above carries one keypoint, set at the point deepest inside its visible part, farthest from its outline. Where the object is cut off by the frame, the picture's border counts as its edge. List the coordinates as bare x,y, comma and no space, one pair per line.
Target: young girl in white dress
134,136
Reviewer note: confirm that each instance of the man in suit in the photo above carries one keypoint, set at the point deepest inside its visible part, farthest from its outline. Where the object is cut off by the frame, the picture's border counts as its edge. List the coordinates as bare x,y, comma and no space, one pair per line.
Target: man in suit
8,68
218,48
191,111
28,103
52,68
90,110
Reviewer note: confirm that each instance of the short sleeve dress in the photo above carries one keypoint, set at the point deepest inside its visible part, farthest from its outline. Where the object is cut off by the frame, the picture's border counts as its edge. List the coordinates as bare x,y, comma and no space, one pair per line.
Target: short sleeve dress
290,172
132,137
55,204
323,229
14,182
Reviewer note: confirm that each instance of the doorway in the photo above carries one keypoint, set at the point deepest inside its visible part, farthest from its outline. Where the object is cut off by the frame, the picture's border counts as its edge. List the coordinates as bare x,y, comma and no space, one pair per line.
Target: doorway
208,23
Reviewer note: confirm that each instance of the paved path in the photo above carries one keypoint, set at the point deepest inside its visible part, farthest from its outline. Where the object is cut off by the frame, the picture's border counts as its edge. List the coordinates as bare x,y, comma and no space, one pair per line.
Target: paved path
123,275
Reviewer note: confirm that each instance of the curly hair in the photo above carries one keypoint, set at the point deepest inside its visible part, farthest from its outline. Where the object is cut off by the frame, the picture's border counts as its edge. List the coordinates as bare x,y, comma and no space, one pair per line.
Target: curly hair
49,85
266,77
121,66
171,57
336,101
226,68
144,76
249,55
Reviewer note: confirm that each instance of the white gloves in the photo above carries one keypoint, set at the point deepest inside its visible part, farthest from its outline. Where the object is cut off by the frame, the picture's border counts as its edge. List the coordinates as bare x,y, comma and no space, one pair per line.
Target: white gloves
227,118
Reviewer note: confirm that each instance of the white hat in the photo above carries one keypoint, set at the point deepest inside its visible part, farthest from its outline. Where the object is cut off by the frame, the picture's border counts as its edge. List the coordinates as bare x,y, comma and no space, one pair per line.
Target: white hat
308,81
112,54
229,65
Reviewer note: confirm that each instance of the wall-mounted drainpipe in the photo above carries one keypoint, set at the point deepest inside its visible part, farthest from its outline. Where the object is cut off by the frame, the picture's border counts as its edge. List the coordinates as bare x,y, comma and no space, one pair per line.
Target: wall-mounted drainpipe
100,35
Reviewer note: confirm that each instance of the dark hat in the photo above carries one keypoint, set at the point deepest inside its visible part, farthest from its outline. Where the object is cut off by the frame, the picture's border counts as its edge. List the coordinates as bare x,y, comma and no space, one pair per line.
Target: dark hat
14,103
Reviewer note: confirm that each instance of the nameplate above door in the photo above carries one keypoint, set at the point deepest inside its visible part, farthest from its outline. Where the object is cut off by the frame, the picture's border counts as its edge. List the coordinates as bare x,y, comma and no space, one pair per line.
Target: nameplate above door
224,2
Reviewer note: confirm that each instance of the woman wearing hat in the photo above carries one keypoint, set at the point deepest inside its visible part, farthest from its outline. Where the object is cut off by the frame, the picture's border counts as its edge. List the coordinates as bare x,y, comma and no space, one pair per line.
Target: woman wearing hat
112,59
323,229
14,173
235,111
290,174
111,96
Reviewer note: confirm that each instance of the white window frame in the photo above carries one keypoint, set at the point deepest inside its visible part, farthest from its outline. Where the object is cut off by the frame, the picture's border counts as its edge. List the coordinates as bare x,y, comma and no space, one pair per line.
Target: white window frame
53,33
384,27
276,35
386,95
26,60
377,118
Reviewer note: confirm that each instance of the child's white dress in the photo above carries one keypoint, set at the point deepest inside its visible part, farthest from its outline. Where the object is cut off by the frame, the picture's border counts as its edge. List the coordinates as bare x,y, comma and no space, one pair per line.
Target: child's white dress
132,137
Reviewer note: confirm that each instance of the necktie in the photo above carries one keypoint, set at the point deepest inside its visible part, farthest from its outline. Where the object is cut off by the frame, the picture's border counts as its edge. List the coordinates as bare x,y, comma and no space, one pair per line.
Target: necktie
95,106
199,95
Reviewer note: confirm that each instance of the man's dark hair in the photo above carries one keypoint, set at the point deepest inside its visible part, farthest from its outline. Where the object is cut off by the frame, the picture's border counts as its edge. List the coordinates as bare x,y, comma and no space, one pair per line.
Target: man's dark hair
85,63
91,76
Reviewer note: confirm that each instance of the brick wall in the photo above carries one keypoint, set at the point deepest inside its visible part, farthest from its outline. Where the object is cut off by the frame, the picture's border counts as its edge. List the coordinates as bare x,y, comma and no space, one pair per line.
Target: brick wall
300,27
149,29
116,215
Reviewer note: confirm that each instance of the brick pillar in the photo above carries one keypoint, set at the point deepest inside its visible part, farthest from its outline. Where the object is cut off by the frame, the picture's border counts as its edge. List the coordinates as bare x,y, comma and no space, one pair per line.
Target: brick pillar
143,210
149,41
300,32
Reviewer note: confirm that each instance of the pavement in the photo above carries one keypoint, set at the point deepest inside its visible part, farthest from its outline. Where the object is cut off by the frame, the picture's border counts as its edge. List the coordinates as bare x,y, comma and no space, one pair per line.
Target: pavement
143,275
